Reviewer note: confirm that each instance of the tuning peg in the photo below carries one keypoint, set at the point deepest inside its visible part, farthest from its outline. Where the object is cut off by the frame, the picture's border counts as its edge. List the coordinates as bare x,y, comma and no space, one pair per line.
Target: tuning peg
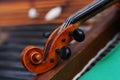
64,52
78,35
46,34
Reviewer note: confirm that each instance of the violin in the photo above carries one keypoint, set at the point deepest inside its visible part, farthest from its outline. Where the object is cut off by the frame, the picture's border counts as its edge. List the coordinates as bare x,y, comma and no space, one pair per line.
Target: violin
56,48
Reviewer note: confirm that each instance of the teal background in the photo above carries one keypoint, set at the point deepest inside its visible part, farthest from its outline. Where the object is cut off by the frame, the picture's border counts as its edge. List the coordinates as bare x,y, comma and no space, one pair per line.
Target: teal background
108,68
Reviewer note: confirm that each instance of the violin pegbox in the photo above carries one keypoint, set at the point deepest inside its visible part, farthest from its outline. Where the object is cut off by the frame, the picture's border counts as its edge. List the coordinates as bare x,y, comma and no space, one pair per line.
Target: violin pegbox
37,60
67,35
65,52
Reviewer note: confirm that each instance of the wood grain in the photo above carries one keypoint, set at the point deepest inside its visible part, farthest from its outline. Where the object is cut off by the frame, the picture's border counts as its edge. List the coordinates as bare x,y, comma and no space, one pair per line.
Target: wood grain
16,13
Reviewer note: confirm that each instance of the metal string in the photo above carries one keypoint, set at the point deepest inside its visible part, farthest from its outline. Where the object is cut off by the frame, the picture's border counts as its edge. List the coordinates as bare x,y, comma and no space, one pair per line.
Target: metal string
70,20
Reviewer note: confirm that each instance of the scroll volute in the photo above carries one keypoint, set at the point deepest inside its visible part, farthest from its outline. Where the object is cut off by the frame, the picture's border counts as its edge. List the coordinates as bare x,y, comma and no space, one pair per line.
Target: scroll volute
37,60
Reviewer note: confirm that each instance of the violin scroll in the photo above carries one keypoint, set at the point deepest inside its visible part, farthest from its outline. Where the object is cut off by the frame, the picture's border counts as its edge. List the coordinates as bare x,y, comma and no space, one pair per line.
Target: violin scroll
37,60
31,57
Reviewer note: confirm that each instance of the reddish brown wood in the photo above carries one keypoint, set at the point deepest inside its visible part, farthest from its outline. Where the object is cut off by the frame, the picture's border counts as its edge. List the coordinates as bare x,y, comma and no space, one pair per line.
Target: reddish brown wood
16,13
38,61
63,70
33,57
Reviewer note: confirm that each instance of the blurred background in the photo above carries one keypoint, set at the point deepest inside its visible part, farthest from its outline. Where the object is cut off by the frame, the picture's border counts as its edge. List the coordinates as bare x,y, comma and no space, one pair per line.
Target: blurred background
29,22
24,22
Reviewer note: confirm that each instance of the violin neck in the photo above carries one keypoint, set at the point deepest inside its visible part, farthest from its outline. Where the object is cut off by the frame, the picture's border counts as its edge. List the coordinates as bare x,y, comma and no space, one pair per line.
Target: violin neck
89,11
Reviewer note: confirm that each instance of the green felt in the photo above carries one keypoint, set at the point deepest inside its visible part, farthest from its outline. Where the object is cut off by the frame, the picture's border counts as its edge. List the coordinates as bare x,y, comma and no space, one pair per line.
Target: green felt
108,68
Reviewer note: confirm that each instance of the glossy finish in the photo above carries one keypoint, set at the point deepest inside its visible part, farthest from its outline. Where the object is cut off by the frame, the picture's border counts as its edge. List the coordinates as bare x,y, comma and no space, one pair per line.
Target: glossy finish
105,27
78,35
64,52
12,42
37,60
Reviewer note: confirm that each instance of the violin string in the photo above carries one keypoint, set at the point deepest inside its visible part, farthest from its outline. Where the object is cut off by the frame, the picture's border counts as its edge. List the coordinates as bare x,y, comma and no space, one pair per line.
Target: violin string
84,10
70,20
65,24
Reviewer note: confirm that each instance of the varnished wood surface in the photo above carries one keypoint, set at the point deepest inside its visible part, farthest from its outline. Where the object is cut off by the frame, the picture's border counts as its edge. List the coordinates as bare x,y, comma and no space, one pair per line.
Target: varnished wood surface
83,52
16,13
30,61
